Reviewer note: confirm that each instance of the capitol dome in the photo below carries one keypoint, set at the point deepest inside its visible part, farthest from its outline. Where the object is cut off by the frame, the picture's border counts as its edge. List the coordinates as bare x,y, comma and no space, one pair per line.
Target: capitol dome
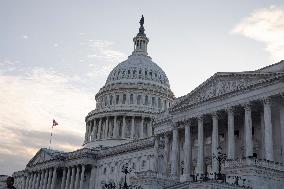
137,69
135,91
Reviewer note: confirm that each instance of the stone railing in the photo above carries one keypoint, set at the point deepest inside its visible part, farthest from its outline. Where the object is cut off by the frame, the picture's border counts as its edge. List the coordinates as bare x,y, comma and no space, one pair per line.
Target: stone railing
254,162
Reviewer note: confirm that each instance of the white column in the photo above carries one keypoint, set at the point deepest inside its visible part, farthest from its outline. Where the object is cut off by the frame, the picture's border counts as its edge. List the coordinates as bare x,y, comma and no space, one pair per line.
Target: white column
49,178
41,179
248,132
45,179
132,127
200,153
231,133
72,178
92,178
99,129
156,154
86,133
175,153
262,147
26,182
77,177
107,129
82,177
150,131
187,151
67,184
63,181
123,134
37,180
115,127
268,129
54,178
215,142
34,181
281,115
166,153
142,127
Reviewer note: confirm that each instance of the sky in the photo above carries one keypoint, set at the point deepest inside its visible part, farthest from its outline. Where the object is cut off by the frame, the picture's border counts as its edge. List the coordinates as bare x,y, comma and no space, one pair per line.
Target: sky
56,55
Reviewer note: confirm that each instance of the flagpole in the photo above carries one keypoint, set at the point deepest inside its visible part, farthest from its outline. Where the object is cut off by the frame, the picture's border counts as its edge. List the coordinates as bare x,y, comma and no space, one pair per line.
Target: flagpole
50,137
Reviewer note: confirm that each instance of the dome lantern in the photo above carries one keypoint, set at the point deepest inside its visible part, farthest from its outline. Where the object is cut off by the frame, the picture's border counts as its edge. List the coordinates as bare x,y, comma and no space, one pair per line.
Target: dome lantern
140,41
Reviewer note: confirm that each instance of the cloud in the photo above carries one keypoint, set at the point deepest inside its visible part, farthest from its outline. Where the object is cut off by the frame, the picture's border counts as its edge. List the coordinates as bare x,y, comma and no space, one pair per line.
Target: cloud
267,26
29,101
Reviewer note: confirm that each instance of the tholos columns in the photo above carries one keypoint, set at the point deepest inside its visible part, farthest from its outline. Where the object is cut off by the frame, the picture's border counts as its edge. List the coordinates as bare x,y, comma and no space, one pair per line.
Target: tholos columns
132,127
187,151
167,153
115,127
123,127
248,132
200,151
175,153
150,132
231,134
82,177
142,128
215,142
268,129
99,129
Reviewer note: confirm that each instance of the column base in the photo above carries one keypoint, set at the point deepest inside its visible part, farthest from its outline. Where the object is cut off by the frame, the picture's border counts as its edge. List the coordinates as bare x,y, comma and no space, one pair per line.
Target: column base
185,177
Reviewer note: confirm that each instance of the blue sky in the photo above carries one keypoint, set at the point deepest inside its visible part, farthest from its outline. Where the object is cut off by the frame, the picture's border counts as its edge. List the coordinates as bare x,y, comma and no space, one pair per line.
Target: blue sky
55,55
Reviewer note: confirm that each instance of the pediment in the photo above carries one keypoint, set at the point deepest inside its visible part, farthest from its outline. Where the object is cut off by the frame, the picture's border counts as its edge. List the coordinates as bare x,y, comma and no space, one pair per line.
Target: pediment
43,155
225,83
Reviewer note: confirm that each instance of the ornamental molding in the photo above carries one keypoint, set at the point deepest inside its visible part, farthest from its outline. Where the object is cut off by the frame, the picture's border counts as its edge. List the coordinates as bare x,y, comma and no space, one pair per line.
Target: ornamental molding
222,85
134,145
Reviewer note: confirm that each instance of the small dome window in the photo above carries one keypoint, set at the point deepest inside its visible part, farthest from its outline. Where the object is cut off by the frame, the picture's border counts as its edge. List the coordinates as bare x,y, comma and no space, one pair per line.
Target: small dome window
131,99
124,99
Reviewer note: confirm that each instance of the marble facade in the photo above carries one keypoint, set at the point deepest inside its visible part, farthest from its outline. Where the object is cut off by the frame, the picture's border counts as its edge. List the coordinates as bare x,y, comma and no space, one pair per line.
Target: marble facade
139,123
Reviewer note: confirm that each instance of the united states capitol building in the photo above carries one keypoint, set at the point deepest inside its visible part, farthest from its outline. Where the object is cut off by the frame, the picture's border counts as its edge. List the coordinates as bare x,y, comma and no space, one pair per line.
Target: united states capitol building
173,143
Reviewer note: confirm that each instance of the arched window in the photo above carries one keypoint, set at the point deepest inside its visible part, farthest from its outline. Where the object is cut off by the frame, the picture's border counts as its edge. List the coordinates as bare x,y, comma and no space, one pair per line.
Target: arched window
110,99
159,103
117,99
105,101
154,101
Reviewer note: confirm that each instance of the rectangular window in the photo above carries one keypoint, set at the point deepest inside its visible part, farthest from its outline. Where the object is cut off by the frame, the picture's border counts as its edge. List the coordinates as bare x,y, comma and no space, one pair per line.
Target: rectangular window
117,99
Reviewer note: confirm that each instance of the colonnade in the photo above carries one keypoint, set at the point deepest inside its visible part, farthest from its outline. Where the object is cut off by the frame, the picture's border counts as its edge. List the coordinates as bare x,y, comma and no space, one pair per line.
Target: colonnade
117,127
43,179
231,143
73,177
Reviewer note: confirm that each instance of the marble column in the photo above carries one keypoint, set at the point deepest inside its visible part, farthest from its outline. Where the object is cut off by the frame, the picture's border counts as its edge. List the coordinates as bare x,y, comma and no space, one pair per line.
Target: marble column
268,141
281,115
67,184
26,182
167,153
150,130
215,142
34,181
231,133
142,127
72,178
54,178
82,177
99,129
175,152
107,128
187,151
92,178
115,128
49,178
45,179
156,154
248,132
200,150
41,179
63,181
87,132
93,132
77,177
123,134
132,127
37,180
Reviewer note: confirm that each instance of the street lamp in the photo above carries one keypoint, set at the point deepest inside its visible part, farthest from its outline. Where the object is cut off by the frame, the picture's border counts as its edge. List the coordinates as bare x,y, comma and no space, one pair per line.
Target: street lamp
220,157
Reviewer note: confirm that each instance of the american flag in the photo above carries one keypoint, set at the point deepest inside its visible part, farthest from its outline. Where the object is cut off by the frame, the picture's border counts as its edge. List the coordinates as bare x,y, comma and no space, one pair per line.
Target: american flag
54,123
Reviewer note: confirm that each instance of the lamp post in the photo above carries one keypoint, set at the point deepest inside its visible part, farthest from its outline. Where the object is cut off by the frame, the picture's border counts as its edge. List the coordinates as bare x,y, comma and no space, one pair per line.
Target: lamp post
220,157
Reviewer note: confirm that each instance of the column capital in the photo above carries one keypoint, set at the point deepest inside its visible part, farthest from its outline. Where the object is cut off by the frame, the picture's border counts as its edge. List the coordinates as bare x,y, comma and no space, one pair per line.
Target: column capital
215,114
230,109
247,106
267,101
